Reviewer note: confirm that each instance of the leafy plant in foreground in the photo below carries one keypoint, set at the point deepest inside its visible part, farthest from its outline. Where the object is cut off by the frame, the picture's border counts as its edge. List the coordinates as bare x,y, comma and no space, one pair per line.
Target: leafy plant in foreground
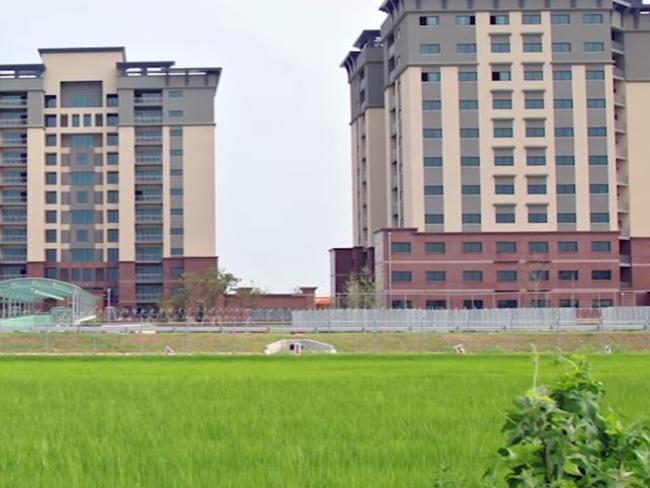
561,436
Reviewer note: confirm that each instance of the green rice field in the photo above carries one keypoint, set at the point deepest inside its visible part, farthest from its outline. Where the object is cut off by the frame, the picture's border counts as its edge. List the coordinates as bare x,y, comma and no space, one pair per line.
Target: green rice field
348,421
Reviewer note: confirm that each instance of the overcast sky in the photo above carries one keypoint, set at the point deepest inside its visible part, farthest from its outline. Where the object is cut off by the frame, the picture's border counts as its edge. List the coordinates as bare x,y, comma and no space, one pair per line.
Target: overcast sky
283,143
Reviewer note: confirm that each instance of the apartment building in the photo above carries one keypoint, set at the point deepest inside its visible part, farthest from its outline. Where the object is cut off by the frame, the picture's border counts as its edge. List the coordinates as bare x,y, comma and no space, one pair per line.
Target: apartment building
514,139
107,172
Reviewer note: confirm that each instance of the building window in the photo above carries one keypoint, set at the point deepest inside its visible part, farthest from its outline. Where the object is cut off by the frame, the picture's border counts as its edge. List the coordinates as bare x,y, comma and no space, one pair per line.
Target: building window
601,246
537,189
431,77
601,275
436,304
504,161
564,132
82,235
76,120
465,20
531,19
50,216
596,103
51,256
567,218
431,190
537,217
563,103
470,161
469,133
176,152
569,275
50,236
432,133
50,159
112,100
535,160
471,218
506,247
539,275
565,160
436,276
597,131
532,47
534,103
472,247
468,105
561,47
503,132
50,140
401,276
50,197
471,189
595,74
499,19
177,231
112,120
594,47
473,304
538,247
99,120
434,247
560,19
598,160
113,216
602,303
177,272
433,162
506,276
503,217
112,196
112,159
592,18
567,246
533,75
429,48
535,132
175,93
502,104
561,75
467,76
82,255
82,197
82,216
466,48
500,47
434,219
113,255
50,178
401,248
113,235
431,105
88,120
473,276
599,218
175,113
50,101
597,189
176,172
50,121
501,75
112,178
82,178
566,189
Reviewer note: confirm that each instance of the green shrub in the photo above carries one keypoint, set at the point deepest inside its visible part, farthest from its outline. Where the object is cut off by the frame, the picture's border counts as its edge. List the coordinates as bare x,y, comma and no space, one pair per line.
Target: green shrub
563,436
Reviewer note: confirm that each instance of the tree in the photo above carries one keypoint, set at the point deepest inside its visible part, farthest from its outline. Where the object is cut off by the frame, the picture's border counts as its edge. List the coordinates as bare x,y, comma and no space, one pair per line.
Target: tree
205,289
562,436
361,292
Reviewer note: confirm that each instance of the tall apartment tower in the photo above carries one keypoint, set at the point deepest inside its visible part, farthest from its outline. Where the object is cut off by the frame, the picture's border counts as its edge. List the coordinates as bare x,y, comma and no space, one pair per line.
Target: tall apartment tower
514,139
107,172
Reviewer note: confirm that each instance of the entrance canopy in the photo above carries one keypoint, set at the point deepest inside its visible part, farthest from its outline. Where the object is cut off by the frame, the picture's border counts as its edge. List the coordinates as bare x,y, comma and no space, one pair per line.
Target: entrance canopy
19,297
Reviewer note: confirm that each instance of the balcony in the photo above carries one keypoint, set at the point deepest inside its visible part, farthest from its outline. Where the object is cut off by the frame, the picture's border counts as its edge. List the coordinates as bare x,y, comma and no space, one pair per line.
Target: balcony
148,158
13,161
149,277
150,198
13,219
12,122
618,47
147,217
148,257
13,258
13,180
148,100
148,238
621,126
8,102
13,239
149,178
148,141
12,141
13,200
148,118
619,73
625,260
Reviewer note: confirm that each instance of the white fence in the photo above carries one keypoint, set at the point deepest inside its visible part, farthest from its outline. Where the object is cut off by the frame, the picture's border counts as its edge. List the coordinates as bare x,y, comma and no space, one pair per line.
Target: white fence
532,319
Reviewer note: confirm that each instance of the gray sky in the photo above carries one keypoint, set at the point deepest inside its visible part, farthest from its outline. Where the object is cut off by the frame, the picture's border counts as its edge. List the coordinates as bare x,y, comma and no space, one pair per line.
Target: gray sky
283,164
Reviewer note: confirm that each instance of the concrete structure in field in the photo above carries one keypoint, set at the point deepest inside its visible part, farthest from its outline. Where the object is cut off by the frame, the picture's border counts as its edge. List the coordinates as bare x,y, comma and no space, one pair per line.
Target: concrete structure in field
107,172
511,134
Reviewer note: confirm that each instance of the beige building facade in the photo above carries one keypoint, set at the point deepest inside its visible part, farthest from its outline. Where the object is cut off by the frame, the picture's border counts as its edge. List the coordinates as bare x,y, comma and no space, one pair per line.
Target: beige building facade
516,117
107,172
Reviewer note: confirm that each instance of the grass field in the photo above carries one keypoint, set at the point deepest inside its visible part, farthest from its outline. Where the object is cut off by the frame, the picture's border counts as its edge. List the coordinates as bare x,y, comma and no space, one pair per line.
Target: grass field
268,422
